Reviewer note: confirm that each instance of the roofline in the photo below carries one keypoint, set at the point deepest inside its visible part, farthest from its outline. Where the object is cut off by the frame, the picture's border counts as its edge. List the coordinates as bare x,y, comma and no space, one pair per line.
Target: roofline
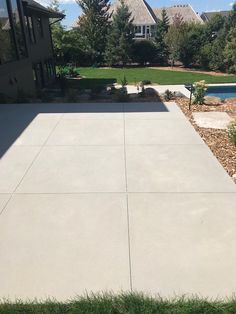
148,8
197,15
43,10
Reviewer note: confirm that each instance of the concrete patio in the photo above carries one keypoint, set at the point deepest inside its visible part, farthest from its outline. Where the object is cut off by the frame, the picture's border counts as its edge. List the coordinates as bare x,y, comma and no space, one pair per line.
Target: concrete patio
111,197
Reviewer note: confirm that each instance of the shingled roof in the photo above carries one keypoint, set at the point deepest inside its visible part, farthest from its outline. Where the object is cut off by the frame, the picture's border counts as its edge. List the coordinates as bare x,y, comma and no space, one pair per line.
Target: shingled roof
207,16
185,10
142,13
32,5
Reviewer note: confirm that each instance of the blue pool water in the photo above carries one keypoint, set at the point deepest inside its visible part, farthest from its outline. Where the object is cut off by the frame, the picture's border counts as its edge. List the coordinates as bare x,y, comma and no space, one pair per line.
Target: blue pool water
223,92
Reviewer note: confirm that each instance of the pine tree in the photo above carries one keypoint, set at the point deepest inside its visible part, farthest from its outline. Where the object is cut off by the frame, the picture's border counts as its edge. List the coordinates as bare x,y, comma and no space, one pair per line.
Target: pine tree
165,20
93,27
159,38
120,37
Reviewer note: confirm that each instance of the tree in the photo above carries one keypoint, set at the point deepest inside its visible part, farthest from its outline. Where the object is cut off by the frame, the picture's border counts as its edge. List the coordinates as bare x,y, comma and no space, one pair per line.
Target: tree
165,22
162,27
93,27
58,33
120,37
144,51
175,38
230,51
194,39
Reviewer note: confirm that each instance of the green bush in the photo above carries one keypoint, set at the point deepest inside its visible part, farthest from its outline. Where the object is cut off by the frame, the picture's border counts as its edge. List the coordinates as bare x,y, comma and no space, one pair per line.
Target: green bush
68,71
168,95
124,81
199,92
146,82
231,131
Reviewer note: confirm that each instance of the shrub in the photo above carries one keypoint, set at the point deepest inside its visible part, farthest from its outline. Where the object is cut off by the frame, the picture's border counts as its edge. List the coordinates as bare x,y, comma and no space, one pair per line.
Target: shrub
124,81
168,95
68,71
199,92
144,51
231,131
146,82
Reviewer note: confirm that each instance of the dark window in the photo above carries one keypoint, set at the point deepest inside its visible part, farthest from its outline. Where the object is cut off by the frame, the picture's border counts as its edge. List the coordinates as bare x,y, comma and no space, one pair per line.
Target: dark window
18,27
49,69
7,46
30,27
39,26
38,75
138,29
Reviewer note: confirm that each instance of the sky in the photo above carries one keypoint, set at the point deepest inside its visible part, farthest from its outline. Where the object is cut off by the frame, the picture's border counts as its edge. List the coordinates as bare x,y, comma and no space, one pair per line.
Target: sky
72,10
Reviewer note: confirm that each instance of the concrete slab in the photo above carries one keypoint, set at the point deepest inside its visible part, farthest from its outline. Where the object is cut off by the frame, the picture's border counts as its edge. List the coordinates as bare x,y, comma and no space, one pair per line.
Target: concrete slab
36,132
13,166
88,132
175,168
212,120
63,245
154,111
94,111
160,132
3,200
72,169
181,244
58,241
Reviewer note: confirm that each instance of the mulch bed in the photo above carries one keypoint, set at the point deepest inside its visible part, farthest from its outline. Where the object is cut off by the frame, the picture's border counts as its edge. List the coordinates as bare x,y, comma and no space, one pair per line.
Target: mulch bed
217,140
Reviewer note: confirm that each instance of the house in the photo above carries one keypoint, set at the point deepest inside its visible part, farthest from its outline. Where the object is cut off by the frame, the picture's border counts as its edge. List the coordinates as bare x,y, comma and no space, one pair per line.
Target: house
26,50
207,16
145,18
186,11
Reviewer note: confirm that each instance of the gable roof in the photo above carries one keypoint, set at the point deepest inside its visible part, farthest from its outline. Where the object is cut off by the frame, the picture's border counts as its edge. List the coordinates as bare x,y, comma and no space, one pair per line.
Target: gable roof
207,16
142,13
185,10
32,5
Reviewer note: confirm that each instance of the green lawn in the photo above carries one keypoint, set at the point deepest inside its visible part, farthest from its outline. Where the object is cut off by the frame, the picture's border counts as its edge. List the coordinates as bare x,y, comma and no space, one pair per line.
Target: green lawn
163,77
122,304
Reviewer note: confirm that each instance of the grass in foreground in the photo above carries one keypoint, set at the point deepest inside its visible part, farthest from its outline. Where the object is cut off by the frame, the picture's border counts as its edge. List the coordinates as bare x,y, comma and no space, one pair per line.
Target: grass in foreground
122,304
162,77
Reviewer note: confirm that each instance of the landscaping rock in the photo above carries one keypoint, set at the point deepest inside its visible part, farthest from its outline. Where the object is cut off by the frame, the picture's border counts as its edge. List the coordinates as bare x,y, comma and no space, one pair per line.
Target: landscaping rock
230,101
212,120
211,100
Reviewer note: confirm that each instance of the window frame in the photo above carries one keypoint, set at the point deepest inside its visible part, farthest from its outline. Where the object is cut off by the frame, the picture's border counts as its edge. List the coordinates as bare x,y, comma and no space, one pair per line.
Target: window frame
13,31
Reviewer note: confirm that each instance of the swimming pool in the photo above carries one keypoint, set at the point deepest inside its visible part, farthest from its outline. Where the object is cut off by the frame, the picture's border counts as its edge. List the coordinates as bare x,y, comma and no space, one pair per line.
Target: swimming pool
223,92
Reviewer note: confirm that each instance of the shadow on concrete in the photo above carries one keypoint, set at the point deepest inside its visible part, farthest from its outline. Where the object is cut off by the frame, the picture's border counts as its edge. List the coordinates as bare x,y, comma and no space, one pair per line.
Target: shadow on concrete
15,118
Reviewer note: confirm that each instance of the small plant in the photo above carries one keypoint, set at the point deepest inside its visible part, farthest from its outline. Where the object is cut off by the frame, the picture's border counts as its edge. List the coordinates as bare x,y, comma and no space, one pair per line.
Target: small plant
124,81
199,92
146,82
168,95
231,131
68,71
